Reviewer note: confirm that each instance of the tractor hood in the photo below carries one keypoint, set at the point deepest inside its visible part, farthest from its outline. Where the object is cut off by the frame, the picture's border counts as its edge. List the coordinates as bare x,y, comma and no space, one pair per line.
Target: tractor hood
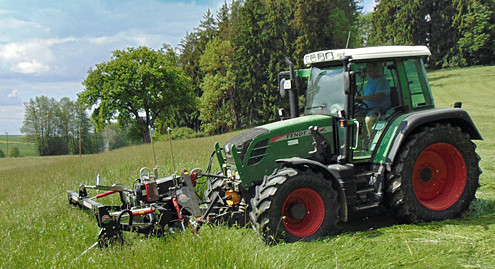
258,148
299,124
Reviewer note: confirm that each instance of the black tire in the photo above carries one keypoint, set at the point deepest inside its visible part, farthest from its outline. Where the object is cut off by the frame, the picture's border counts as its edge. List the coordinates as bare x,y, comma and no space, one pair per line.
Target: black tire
435,176
282,202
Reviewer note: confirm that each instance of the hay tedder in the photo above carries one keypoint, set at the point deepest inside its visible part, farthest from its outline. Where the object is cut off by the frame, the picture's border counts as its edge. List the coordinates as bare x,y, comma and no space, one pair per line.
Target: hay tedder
370,136
153,205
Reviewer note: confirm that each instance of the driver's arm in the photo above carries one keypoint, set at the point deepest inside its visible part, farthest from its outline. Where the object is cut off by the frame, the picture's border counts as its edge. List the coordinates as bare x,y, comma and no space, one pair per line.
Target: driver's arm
373,97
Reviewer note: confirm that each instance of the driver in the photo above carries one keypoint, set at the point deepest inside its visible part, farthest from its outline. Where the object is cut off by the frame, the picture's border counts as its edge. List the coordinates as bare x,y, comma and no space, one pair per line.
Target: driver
375,94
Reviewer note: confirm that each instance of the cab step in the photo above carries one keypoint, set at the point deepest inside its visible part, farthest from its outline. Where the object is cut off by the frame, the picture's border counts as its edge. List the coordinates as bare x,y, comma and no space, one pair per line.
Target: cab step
364,207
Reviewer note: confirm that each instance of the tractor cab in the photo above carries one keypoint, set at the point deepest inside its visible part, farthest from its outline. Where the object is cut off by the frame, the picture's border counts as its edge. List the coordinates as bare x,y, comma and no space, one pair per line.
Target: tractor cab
365,89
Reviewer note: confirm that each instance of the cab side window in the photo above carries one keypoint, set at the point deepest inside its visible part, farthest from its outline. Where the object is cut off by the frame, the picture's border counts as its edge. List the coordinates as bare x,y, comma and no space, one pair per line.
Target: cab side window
418,84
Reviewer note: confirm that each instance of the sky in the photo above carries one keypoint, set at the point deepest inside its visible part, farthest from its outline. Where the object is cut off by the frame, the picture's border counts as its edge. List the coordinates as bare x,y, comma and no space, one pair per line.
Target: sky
47,47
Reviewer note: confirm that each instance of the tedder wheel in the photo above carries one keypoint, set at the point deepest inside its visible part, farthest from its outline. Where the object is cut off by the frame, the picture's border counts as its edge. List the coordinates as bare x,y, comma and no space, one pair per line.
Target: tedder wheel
294,205
221,212
435,176
214,188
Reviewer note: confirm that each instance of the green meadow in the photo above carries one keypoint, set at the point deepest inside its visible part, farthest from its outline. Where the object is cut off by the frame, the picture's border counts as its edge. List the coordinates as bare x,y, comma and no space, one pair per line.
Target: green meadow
25,148
38,228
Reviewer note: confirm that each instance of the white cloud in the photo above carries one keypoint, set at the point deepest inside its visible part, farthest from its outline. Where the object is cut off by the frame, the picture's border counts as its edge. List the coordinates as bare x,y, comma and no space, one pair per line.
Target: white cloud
13,93
9,98
14,29
32,67
31,56
129,38
16,24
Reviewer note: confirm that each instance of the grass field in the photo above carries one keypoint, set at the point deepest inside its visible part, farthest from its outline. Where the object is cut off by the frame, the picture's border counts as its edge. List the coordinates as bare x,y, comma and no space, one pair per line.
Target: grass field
25,148
38,229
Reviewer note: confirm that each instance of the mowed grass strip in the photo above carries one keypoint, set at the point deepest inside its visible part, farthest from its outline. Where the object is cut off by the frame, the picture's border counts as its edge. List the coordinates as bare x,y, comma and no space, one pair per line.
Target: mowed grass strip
39,229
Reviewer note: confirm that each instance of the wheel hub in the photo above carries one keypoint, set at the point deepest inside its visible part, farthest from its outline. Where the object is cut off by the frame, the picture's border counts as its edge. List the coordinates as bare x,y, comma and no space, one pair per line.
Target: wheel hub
426,174
297,211
303,212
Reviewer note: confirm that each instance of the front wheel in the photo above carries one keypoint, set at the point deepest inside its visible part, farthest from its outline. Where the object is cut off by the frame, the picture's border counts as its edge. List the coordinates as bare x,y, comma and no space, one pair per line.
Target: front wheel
293,205
435,176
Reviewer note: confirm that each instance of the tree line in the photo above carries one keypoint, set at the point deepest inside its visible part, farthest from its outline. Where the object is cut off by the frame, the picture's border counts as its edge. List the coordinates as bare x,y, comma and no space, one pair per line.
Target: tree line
58,127
223,75
63,127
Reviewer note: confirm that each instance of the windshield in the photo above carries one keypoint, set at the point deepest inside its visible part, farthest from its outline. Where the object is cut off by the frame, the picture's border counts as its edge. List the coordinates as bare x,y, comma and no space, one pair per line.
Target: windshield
325,94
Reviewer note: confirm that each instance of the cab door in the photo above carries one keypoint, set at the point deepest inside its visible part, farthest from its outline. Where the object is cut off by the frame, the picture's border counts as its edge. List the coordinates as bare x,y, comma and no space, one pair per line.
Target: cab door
372,117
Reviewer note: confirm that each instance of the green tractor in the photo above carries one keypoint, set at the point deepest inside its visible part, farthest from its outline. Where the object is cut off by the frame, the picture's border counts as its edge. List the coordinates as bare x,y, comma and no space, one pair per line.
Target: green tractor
370,136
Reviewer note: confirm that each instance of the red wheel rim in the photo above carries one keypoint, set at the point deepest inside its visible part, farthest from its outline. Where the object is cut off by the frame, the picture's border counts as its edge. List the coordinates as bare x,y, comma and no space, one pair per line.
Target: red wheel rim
439,176
303,212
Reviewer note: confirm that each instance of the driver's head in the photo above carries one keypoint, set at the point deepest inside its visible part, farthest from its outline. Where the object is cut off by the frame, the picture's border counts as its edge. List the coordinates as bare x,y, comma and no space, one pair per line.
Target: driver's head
374,70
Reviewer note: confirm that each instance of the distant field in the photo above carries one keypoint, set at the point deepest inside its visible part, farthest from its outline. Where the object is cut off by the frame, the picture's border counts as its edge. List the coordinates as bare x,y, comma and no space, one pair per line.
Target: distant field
25,148
38,229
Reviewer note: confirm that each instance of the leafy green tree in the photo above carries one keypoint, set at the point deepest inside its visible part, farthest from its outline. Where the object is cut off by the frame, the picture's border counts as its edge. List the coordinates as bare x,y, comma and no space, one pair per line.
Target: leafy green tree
251,59
2,155
217,108
324,24
65,115
40,123
192,46
475,21
399,23
458,33
139,86
364,28
55,127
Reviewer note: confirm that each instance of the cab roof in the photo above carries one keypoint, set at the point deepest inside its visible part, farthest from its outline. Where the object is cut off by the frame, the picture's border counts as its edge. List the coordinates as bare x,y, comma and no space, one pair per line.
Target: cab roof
368,53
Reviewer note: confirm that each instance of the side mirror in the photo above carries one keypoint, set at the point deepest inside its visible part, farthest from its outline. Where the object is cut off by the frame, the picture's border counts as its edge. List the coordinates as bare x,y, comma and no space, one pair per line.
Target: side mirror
285,84
281,114
349,81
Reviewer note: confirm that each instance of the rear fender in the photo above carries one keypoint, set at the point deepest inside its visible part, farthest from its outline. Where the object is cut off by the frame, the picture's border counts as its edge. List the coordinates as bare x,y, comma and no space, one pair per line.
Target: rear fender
333,174
409,124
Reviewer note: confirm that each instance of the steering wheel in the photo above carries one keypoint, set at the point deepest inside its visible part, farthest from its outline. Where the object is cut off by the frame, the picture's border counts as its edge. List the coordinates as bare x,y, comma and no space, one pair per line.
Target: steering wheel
360,107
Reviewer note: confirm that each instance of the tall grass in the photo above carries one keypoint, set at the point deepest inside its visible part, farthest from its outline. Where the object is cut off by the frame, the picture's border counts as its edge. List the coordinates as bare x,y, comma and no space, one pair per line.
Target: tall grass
38,229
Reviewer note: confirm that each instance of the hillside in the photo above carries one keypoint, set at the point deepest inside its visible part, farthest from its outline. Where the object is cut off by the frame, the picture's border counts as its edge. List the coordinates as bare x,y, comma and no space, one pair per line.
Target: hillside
25,148
39,229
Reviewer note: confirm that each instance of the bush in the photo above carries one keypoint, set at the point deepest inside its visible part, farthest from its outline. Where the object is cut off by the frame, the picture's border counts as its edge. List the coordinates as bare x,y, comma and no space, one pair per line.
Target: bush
2,155
13,152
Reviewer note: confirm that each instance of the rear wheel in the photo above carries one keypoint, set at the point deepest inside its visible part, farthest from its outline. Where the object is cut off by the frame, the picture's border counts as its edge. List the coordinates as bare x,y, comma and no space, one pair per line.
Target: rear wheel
294,205
435,176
